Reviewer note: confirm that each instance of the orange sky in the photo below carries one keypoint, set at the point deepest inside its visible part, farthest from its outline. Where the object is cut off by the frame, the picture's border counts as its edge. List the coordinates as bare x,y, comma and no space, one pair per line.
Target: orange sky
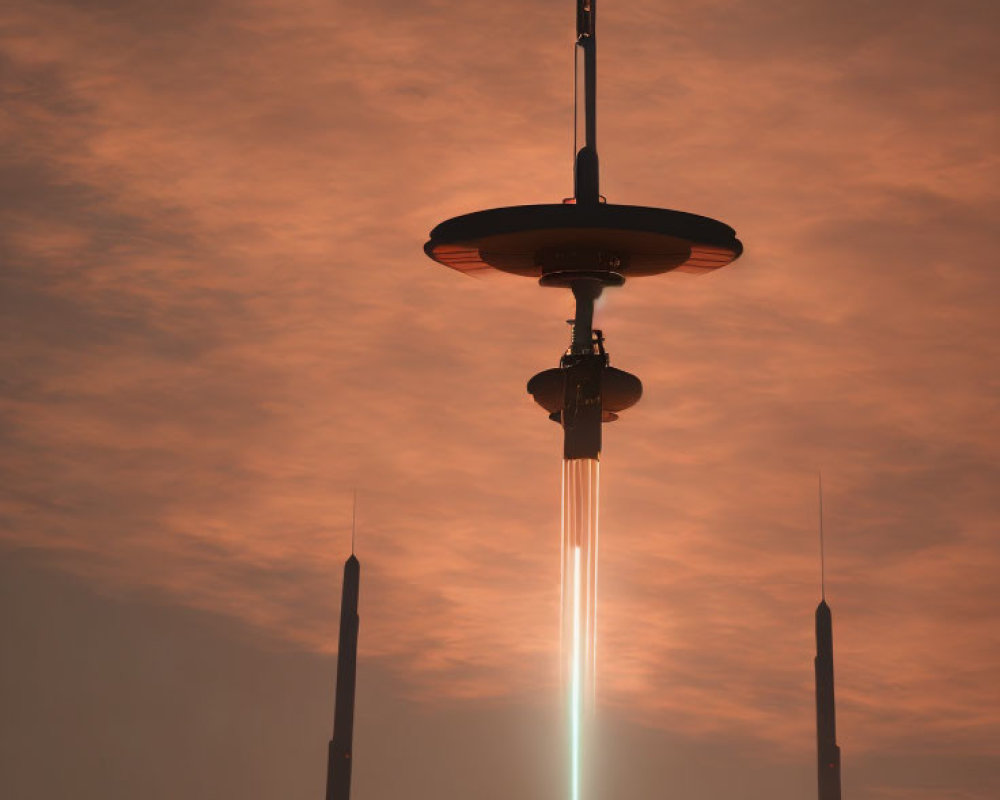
218,321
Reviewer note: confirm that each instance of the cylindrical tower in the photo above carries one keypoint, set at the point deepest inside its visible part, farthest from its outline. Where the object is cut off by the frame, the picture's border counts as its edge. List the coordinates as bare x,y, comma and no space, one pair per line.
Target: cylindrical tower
338,769
827,751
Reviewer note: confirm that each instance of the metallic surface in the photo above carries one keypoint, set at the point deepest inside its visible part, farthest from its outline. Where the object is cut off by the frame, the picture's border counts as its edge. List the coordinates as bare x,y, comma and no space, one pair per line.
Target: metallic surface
619,390
584,390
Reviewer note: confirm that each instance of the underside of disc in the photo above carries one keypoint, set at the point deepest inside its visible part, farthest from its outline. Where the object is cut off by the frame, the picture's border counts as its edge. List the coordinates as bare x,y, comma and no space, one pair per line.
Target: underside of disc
546,241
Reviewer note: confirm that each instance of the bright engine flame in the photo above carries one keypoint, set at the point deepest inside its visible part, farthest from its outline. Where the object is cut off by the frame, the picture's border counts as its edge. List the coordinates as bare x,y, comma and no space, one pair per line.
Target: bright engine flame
580,482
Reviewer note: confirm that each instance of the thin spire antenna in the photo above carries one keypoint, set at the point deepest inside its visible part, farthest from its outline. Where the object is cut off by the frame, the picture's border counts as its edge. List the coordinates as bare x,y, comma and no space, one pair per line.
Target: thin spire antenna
354,521
822,549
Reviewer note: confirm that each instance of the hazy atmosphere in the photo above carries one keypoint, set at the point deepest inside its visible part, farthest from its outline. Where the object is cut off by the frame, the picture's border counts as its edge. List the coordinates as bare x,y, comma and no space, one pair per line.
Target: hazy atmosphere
218,322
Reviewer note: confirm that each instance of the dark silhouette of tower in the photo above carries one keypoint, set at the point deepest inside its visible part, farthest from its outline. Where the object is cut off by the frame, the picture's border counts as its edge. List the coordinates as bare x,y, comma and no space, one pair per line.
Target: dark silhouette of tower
827,751
338,770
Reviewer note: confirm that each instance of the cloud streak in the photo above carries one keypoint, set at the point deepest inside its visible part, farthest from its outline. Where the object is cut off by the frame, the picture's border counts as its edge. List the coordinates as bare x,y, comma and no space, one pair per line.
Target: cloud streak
218,321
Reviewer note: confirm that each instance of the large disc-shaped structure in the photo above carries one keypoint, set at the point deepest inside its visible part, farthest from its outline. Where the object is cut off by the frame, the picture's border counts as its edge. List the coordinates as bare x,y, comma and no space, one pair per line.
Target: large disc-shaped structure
558,243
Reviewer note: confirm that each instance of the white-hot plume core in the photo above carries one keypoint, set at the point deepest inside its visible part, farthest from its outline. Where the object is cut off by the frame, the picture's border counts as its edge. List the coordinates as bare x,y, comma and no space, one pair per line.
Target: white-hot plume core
580,485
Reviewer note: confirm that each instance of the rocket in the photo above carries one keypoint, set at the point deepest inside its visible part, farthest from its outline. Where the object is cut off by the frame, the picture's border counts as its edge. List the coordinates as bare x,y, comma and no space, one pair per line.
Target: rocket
584,391
338,772
827,751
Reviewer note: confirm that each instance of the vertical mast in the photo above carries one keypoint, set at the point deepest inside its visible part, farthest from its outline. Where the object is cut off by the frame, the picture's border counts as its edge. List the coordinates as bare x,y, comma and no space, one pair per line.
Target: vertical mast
822,548
338,773
586,181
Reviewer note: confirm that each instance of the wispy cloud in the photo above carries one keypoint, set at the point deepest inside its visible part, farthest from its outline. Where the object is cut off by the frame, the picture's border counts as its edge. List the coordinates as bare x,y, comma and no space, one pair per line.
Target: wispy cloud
219,321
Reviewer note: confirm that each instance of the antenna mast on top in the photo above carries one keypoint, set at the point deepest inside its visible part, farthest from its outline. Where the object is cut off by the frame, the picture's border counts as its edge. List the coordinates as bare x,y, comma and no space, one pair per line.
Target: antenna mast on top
354,521
822,552
586,188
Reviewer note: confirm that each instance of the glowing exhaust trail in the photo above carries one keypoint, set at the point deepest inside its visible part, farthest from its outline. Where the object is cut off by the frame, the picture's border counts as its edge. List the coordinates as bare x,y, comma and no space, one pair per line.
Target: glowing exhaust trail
574,692
580,480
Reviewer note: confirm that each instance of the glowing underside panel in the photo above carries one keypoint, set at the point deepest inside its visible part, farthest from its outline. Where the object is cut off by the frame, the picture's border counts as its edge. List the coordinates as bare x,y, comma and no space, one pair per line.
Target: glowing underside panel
474,261
580,484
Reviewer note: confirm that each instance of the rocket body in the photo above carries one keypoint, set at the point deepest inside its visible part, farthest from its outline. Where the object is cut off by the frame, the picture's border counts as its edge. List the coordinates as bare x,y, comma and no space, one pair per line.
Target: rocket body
582,408
338,775
827,751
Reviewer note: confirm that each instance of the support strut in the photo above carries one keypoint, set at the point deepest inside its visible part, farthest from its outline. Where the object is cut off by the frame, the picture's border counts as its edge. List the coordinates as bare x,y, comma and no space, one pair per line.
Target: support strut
585,292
